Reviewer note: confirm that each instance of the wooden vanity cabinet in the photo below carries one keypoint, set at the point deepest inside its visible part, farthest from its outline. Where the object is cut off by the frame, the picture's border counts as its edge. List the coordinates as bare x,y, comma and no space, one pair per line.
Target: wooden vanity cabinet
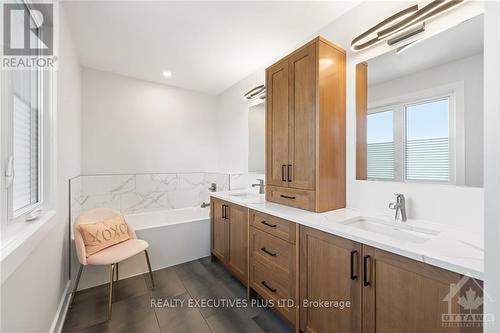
330,271
388,293
229,236
305,128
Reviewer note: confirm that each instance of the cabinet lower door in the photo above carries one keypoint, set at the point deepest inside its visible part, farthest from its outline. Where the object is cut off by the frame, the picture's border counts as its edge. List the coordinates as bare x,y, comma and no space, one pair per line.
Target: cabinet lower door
220,230
330,277
402,295
238,241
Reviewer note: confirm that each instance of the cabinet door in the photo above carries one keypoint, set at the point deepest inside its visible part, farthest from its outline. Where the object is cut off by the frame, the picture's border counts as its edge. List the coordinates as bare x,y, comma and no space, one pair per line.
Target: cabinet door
220,230
302,156
238,241
330,271
406,296
277,123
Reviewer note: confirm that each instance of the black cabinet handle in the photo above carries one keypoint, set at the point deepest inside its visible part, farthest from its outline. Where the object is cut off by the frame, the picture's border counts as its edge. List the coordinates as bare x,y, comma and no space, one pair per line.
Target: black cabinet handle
366,273
268,224
223,211
287,196
289,172
228,210
354,275
283,171
270,289
266,251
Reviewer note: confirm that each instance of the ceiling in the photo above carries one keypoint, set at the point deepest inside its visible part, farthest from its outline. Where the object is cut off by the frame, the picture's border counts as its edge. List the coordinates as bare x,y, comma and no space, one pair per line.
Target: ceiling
208,46
461,41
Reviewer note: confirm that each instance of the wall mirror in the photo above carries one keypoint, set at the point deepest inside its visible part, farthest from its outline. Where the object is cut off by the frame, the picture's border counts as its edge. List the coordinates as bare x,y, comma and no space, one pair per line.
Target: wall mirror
257,137
419,110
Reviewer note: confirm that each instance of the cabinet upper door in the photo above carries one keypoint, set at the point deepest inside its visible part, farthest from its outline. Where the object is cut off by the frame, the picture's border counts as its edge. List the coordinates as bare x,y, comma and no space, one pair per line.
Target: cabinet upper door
303,90
238,241
407,296
277,123
220,230
330,271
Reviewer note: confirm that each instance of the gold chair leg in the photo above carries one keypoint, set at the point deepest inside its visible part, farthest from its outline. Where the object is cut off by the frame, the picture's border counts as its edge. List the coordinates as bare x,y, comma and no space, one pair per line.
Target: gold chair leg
110,300
76,286
149,267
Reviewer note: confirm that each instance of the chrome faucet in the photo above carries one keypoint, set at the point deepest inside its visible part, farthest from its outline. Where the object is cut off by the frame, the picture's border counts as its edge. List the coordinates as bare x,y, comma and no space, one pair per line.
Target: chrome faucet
213,187
261,186
205,205
399,206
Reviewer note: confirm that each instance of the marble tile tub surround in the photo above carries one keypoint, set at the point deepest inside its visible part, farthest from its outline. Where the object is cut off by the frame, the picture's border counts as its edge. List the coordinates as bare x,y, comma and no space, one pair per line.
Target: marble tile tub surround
137,193
453,248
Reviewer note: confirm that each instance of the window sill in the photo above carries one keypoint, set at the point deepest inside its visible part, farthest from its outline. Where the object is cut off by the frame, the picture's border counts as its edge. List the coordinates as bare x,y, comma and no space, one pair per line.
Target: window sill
19,240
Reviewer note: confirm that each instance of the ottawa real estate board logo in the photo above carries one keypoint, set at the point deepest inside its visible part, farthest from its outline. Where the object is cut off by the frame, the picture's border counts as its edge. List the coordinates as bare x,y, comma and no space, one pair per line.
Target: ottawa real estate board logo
28,35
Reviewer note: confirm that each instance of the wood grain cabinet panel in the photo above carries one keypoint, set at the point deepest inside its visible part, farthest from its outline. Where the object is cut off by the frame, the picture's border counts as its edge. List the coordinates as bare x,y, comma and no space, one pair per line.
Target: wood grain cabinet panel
219,230
277,123
305,129
329,271
238,241
229,236
408,296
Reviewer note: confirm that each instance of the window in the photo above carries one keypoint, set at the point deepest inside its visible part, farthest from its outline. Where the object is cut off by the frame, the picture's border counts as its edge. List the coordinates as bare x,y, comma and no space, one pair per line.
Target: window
410,141
22,127
380,139
427,141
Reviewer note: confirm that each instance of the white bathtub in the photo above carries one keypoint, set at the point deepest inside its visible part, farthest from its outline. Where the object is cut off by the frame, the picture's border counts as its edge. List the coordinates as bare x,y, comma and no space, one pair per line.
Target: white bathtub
174,236
162,218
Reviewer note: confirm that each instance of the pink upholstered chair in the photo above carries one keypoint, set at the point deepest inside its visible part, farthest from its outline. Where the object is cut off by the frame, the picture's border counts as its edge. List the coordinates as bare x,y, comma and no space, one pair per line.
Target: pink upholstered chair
112,255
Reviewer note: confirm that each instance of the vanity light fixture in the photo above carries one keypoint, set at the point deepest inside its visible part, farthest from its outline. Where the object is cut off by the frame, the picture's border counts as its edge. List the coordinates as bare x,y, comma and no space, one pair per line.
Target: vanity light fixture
167,74
257,92
403,21
414,31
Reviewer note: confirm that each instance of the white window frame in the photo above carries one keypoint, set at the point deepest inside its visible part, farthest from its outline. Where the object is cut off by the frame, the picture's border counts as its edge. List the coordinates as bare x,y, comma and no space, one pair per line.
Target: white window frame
11,217
455,93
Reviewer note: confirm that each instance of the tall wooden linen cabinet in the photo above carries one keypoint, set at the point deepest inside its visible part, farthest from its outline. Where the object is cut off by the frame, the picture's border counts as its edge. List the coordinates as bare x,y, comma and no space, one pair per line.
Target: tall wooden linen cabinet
305,128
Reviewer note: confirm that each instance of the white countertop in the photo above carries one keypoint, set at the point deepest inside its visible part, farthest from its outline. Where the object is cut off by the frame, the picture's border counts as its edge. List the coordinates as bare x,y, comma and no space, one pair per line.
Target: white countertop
454,249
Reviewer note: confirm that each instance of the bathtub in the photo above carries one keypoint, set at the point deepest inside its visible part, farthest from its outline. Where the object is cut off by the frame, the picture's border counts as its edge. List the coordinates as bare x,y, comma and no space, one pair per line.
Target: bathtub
175,236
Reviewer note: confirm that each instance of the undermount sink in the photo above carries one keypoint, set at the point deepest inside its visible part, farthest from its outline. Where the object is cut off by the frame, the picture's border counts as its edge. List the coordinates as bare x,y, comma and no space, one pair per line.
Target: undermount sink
245,195
401,232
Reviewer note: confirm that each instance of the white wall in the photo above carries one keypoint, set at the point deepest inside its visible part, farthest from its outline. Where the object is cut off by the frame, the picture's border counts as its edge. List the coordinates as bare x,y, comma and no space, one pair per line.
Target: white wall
134,126
32,294
370,196
468,71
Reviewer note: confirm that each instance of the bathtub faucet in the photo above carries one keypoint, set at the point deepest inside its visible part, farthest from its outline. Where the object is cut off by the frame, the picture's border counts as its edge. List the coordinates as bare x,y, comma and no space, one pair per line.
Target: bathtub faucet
205,205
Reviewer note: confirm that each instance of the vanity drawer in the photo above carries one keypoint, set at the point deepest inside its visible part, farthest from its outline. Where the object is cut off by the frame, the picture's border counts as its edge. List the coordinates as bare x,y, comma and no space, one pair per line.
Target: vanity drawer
276,251
291,197
273,225
273,284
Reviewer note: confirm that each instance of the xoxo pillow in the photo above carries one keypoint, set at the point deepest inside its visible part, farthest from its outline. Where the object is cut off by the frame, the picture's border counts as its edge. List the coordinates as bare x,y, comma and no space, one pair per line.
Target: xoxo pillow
101,235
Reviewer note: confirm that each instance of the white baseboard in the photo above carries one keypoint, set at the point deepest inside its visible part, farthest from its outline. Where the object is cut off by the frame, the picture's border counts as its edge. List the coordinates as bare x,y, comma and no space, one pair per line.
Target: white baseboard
62,310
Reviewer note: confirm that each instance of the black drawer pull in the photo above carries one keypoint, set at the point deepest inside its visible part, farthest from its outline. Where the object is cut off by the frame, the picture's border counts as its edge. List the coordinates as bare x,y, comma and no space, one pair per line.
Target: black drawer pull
266,251
289,173
366,273
270,289
268,224
354,275
283,172
287,196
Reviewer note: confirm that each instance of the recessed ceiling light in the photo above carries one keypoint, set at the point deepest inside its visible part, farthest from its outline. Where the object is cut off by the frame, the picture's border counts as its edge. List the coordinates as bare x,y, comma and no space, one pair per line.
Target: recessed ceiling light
167,74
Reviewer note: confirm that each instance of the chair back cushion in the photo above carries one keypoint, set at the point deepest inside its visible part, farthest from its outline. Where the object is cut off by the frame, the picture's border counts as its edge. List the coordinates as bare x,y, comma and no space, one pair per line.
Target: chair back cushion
103,234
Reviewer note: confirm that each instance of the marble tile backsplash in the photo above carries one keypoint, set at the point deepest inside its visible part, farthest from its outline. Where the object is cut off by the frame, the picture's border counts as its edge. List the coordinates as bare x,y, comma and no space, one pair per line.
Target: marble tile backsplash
143,192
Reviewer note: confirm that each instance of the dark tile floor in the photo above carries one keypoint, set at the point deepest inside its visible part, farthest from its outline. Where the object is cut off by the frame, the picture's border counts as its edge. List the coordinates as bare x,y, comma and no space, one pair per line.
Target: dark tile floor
195,280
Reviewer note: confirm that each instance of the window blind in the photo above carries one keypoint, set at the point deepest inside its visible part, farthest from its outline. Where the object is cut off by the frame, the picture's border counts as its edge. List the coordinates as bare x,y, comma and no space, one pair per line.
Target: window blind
380,163
428,159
